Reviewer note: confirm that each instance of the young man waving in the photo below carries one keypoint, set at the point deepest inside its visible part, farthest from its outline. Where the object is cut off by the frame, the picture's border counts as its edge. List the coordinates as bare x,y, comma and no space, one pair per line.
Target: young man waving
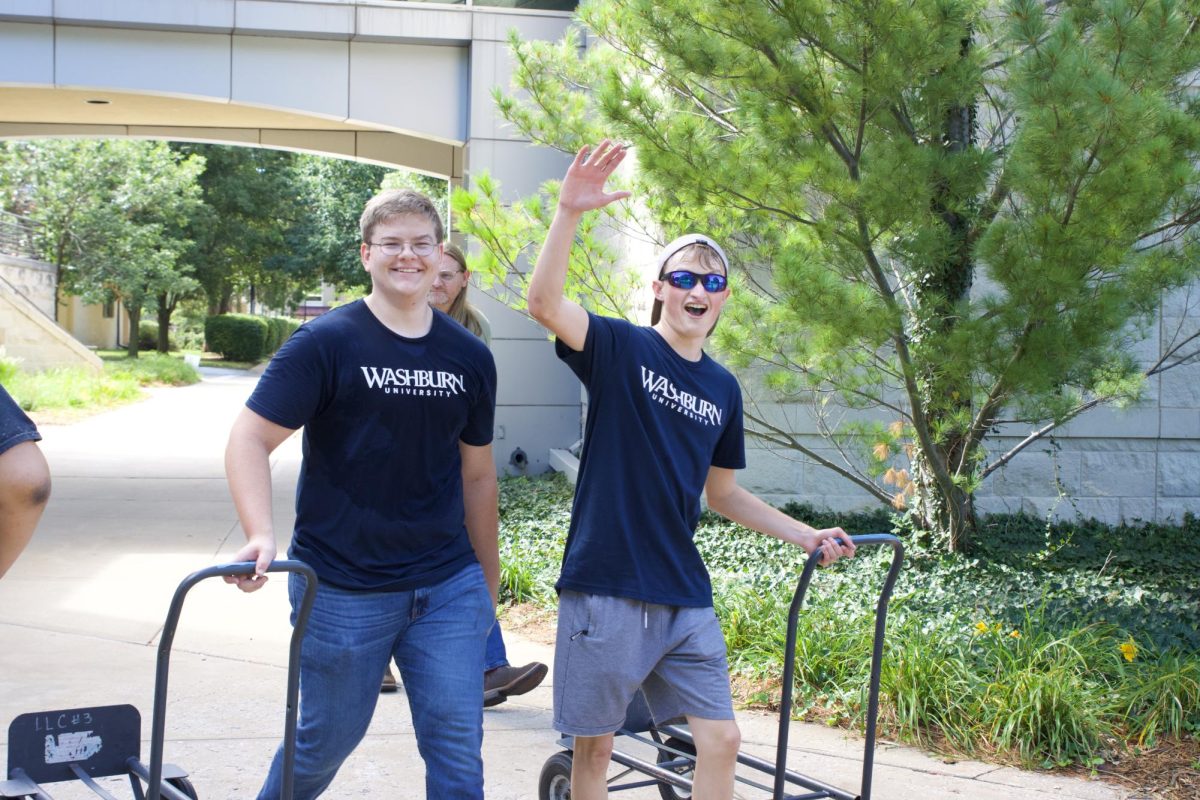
664,424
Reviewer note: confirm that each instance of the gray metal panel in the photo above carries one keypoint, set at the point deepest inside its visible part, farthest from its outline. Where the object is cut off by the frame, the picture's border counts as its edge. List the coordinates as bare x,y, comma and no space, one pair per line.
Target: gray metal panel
414,23
194,14
410,87
28,53
529,374
28,10
169,62
506,323
491,67
322,20
306,75
495,25
519,166
535,430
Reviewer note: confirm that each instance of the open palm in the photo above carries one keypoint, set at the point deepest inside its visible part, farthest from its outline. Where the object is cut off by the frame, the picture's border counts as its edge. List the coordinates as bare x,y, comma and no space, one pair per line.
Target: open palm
583,187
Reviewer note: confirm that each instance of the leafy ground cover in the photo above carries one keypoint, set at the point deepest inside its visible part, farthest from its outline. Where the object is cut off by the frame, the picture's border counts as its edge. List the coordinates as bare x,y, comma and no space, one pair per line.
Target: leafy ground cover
1068,645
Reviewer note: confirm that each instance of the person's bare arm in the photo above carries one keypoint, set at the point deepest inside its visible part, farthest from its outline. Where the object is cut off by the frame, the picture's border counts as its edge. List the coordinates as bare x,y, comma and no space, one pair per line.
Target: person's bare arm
582,190
24,492
735,503
480,505
248,471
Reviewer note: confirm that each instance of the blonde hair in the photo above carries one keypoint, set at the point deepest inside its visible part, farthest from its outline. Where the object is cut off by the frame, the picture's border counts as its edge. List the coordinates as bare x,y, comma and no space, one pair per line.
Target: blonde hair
394,203
460,310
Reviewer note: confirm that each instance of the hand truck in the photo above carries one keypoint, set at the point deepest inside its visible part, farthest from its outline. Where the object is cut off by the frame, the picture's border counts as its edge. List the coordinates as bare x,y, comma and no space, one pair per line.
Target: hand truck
676,753
82,744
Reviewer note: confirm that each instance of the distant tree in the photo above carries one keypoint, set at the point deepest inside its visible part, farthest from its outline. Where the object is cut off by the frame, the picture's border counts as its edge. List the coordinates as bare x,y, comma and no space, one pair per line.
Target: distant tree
112,216
955,215
251,199
136,240
324,243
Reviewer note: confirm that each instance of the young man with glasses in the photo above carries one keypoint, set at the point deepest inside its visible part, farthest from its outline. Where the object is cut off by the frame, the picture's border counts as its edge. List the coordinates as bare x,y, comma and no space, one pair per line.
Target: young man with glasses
664,424
396,507
448,294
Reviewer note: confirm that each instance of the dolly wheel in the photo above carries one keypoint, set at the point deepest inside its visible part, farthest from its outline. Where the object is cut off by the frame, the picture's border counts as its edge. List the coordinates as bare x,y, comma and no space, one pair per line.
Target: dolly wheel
185,786
555,781
684,767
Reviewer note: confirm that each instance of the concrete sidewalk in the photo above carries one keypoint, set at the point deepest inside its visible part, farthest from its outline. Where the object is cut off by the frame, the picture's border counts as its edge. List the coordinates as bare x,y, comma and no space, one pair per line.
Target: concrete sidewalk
140,501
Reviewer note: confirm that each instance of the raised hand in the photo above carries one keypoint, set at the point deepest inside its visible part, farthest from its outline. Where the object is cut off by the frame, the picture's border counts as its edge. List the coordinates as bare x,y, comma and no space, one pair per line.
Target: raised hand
583,187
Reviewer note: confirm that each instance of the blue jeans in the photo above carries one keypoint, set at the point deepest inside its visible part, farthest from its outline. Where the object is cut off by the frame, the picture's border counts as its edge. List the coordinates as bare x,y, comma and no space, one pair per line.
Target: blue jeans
496,655
436,634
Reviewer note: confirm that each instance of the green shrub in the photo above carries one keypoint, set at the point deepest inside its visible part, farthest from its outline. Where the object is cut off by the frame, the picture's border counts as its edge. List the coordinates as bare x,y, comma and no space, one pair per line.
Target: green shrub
9,368
237,337
70,388
153,368
278,331
148,336
1052,644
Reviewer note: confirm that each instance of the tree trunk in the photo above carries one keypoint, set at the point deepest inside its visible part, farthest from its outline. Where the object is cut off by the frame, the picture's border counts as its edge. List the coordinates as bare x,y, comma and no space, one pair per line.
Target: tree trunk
135,319
165,309
941,292
949,516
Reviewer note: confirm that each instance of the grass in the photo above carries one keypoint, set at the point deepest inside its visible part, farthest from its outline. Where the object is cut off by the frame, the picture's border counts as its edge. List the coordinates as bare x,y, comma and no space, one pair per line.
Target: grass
78,390
1047,646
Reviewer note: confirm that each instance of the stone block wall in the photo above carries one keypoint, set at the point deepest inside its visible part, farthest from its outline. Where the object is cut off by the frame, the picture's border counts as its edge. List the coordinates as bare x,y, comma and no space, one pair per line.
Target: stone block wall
1137,463
33,279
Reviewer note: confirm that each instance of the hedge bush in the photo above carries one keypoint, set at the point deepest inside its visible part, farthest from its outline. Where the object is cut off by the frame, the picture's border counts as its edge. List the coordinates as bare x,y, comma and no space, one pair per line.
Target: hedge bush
148,336
237,337
278,331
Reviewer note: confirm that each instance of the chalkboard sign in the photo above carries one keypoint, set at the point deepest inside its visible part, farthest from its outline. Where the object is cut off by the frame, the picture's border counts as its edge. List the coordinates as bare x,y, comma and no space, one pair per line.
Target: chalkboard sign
100,740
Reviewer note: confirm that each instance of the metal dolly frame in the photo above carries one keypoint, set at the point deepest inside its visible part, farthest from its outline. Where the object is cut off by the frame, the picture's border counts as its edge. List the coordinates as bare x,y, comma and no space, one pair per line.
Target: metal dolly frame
677,752
82,744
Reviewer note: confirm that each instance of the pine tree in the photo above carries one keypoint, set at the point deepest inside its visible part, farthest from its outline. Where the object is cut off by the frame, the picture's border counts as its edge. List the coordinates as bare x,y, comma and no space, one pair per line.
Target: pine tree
953,214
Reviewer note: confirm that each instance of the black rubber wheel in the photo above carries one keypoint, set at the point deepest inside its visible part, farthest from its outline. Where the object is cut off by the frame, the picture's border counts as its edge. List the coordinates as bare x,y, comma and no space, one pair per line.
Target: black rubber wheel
683,768
555,780
185,786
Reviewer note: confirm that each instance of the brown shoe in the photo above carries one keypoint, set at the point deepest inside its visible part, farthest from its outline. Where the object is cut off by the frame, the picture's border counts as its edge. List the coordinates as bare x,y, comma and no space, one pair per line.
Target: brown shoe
389,681
508,681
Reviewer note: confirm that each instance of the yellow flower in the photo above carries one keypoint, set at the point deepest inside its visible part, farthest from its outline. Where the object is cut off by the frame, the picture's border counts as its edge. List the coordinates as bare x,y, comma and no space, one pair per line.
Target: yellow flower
1015,635
1129,649
981,627
898,501
881,451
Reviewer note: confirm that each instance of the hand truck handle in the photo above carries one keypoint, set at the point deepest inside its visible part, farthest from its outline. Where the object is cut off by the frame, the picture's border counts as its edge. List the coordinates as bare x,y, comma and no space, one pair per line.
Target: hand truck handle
158,727
789,665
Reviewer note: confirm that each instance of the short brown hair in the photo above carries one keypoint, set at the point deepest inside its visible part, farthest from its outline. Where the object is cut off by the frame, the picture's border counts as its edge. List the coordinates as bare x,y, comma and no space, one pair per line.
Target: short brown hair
394,203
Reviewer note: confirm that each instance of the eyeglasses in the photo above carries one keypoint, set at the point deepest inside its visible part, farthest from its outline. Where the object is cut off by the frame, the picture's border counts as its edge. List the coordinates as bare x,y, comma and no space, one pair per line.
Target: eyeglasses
420,249
446,277
684,279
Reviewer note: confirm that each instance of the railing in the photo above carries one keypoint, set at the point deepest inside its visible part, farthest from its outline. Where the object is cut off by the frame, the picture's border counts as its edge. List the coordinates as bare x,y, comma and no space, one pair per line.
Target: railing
17,236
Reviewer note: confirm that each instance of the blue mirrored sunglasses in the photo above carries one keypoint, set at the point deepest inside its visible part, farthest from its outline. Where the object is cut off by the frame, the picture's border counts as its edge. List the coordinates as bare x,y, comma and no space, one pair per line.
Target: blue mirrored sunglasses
684,279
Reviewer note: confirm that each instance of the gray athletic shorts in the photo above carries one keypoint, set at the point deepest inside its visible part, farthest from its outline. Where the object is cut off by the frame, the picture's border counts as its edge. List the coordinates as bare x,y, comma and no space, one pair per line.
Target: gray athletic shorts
609,647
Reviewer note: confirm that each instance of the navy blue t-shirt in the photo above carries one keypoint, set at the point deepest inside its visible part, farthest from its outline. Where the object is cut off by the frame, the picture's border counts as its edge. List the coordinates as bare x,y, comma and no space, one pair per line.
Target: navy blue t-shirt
15,426
379,502
656,422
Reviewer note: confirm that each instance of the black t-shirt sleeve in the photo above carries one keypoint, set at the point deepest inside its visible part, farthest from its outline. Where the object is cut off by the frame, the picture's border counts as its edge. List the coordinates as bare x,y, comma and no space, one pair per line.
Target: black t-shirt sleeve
730,452
482,416
295,386
605,338
15,426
